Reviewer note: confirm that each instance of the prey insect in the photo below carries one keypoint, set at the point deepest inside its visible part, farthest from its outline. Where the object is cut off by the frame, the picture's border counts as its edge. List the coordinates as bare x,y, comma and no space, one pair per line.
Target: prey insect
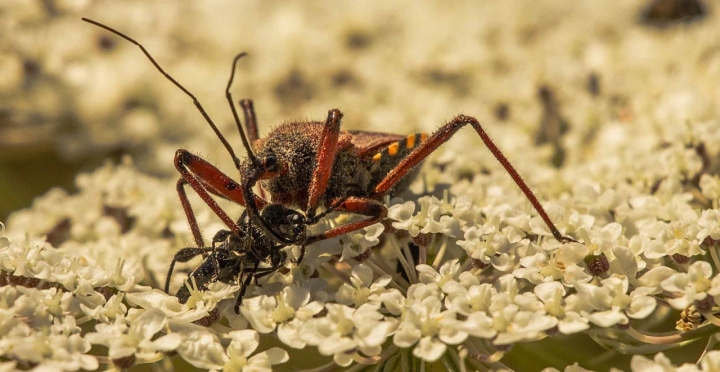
309,165
240,258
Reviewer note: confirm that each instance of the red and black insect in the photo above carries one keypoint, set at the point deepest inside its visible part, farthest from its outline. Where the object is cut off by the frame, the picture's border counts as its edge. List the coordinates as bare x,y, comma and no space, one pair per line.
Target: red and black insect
240,258
312,164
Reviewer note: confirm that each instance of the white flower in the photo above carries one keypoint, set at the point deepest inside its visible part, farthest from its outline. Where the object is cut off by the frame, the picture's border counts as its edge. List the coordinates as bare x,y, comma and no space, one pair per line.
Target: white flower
60,345
467,299
157,299
288,311
243,343
449,271
539,268
431,218
123,280
710,361
659,363
710,222
356,243
425,323
361,289
113,308
198,346
473,301
654,277
203,301
517,316
610,304
484,243
138,339
622,262
345,331
677,237
710,186
689,287
604,240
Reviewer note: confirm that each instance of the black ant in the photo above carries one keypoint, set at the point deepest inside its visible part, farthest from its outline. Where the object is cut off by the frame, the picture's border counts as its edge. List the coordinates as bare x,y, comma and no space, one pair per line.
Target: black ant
240,258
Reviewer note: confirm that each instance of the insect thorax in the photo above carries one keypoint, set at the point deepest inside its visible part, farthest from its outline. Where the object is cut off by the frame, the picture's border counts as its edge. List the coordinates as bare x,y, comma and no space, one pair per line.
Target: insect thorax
296,146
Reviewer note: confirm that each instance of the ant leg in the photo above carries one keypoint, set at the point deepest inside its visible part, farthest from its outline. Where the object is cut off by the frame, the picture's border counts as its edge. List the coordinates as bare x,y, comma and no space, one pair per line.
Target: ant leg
375,210
265,272
332,208
251,127
441,136
302,253
325,160
243,287
183,255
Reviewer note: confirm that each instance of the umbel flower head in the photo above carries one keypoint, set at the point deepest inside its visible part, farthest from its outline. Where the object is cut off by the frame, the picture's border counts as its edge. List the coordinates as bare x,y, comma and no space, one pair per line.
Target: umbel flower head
462,275
483,282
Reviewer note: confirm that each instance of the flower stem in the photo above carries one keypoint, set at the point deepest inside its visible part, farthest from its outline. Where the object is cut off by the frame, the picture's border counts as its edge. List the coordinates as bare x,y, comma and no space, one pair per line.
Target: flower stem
401,257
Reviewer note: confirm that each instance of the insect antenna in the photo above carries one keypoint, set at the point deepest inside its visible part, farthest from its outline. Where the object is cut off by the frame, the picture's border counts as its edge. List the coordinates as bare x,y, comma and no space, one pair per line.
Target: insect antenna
197,104
229,98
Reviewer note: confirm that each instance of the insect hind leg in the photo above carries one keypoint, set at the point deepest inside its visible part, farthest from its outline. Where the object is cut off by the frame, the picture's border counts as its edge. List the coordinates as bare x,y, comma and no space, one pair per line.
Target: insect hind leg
441,136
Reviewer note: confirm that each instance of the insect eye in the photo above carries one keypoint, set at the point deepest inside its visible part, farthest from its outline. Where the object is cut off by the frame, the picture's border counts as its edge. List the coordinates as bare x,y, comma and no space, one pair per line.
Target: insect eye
271,163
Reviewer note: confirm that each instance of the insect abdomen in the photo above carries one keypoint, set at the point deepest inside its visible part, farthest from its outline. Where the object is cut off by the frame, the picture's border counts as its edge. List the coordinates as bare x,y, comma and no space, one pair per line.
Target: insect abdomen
385,160
399,149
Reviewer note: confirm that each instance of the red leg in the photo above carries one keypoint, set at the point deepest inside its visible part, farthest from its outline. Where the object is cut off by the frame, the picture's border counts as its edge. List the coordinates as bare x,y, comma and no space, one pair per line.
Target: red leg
204,178
325,161
441,136
374,209
251,127
189,214
211,178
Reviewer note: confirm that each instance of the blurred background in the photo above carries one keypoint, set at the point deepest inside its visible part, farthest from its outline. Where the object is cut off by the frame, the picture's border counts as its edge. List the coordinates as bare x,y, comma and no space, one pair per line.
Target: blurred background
73,95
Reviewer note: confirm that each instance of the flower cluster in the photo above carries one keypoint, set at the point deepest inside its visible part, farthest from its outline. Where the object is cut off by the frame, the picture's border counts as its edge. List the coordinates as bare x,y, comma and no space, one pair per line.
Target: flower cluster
621,151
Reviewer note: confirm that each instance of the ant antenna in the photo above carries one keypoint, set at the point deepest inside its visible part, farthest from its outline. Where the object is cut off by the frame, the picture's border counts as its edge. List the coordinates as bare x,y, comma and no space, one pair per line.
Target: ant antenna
187,92
228,96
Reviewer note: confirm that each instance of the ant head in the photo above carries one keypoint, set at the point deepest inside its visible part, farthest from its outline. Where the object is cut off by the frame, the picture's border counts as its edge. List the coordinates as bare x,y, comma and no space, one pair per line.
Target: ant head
286,222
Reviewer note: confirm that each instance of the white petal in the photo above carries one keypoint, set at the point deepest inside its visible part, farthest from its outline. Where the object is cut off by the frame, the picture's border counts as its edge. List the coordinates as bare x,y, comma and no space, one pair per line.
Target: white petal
363,273
655,276
288,334
407,335
150,323
394,301
168,342
343,359
573,323
641,307
246,340
608,318
277,355
429,349
624,263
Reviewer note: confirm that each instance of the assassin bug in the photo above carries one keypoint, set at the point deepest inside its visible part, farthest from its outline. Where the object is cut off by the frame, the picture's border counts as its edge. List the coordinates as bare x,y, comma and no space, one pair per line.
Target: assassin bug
313,164
237,258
